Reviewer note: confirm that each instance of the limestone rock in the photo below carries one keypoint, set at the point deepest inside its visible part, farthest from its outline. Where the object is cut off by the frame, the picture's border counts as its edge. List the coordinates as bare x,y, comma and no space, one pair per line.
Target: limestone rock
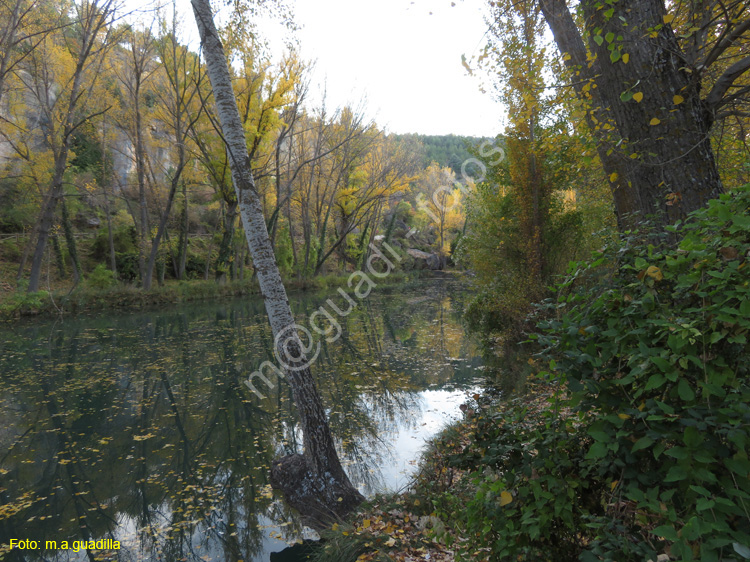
429,261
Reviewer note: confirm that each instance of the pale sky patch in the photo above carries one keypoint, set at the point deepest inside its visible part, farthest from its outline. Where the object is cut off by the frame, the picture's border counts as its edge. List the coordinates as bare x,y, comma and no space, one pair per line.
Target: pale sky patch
401,57
405,58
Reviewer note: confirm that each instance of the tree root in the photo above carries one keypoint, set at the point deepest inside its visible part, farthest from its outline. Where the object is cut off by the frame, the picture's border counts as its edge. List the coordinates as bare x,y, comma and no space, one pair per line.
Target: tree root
320,499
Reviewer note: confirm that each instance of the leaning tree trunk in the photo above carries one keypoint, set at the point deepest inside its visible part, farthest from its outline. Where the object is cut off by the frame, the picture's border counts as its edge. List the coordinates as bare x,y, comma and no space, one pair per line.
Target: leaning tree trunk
645,109
315,483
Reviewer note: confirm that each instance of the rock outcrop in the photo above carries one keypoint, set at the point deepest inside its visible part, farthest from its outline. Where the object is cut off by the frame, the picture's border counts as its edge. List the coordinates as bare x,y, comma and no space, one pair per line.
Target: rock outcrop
428,261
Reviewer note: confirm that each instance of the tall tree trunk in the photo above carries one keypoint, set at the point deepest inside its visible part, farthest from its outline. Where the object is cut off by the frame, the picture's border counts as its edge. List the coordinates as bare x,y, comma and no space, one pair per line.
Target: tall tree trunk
321,257
656,151
28,245
70,240
227,239
242,263
207,268
184,234
315,483
140,170
92,21
47,219
59,259
159,233
174,259
105,180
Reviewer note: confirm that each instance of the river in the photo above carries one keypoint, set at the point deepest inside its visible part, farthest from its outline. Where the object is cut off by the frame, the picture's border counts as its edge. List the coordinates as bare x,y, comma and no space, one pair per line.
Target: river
138,428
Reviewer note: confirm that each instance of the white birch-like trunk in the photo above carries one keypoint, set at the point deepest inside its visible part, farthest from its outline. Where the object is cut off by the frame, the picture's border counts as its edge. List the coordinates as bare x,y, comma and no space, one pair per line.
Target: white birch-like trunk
317,479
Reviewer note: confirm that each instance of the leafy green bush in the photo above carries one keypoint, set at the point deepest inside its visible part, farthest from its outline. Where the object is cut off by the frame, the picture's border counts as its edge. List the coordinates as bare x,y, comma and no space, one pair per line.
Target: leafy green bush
497,248
20,302
649,347
284,253
18,206
124,238
127,266
532,500
100,278
10,249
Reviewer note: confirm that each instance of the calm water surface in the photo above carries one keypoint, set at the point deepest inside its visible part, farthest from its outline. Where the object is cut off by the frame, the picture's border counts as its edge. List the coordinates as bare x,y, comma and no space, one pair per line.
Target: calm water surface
137,427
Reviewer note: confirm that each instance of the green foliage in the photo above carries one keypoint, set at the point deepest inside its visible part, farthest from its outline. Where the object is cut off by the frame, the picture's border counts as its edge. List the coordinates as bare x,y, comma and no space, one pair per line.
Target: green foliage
21,302
89,156
283,251
127,266
532,501
10,249
312,259
123,238
452,151
648,347
495,247
195,261
17,207
100,278
389,228
354,249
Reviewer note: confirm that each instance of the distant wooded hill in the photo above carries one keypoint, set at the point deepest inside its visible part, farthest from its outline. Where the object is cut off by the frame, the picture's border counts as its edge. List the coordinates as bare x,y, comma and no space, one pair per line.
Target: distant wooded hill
446,150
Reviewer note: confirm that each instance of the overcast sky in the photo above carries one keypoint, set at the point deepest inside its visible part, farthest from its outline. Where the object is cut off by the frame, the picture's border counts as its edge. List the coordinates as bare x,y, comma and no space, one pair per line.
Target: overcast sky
402,57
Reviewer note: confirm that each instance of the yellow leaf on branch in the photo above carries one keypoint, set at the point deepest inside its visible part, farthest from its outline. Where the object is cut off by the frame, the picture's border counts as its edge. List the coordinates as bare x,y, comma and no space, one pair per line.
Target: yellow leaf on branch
505,498
654,272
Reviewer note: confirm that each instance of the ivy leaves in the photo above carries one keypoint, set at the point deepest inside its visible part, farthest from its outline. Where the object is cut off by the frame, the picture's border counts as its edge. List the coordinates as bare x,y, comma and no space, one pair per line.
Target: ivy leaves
655,359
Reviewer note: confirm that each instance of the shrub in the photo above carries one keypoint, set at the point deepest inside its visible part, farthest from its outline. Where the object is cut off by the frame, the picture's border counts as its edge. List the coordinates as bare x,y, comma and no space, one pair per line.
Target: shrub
10,250
123,238
20,302
100,278
284,253
649,348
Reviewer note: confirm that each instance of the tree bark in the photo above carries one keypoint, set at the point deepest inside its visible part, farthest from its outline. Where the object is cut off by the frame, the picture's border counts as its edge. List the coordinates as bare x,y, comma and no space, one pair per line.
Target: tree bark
140,169
656,152
105,181
315,483
70,240
93,20
160,232
47,219
184,233
227,242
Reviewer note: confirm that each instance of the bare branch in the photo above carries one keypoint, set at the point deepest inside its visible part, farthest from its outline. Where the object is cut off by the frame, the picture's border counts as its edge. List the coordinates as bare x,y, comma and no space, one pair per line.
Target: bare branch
725,42
715,97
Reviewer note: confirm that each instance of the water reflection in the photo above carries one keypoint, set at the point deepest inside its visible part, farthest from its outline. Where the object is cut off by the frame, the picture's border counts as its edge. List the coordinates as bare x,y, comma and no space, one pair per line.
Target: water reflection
137,428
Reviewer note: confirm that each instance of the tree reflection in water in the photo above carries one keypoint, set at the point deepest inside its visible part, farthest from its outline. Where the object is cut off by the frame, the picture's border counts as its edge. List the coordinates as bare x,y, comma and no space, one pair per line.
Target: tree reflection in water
138,428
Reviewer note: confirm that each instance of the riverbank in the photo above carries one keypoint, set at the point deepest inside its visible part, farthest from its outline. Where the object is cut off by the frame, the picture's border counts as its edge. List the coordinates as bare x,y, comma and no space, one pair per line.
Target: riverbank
417,364
429,519
631,442
123,297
